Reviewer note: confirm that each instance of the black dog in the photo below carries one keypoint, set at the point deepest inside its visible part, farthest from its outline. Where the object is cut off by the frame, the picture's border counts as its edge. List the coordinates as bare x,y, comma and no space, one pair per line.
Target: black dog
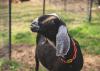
56,49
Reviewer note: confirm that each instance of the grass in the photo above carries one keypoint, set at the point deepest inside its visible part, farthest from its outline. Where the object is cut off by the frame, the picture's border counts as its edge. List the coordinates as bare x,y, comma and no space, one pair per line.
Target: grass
3,23
9,65
86,33
88,37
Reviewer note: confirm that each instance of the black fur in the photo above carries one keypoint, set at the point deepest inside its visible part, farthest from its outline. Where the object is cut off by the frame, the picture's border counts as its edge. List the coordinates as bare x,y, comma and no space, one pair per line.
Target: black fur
46,54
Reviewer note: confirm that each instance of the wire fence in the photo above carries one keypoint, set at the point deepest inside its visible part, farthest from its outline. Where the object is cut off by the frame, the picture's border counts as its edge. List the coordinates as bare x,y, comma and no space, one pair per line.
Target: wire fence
80,9
74,11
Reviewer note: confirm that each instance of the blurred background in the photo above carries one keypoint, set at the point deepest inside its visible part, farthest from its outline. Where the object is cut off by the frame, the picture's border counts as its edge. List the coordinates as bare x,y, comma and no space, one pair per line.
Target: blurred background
82,18
4,30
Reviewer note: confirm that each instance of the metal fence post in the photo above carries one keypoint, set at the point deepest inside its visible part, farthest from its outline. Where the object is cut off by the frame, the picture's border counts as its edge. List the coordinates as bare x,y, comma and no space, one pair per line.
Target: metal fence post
44,1
9,29
90,4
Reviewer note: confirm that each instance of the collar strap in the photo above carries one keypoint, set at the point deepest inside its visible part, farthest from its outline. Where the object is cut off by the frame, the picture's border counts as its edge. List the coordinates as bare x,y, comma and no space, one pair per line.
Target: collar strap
73,54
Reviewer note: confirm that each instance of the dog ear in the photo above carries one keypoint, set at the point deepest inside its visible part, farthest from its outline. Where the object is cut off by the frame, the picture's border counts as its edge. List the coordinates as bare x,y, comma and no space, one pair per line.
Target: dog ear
62,41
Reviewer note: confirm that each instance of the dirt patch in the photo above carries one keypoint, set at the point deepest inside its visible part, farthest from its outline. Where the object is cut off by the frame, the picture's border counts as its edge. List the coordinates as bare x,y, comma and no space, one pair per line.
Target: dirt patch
25,54
91,63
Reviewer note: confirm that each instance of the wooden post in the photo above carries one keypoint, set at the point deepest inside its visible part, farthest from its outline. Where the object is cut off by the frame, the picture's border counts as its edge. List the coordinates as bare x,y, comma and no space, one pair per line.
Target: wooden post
44,6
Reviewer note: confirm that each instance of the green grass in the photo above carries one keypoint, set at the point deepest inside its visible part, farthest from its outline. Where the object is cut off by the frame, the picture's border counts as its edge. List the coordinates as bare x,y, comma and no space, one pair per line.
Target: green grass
9,65
24,38
87,34
3,38
88,37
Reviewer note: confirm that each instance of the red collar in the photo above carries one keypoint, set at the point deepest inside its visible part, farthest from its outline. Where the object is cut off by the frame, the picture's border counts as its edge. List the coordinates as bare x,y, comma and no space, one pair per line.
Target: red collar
73,55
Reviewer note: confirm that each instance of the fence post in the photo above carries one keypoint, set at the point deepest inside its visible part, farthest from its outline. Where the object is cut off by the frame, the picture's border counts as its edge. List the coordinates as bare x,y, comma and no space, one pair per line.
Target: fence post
90,4
44,6
9,30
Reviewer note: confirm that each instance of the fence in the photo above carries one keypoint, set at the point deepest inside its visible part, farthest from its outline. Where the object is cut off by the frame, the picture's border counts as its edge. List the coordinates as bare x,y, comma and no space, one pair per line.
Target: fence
81,8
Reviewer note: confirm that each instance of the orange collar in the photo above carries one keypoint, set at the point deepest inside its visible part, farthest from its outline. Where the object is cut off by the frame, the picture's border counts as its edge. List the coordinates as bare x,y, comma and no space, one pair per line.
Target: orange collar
73,54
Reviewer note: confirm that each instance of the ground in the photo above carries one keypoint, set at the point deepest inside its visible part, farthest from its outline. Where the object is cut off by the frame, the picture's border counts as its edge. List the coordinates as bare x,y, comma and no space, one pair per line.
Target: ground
25,55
